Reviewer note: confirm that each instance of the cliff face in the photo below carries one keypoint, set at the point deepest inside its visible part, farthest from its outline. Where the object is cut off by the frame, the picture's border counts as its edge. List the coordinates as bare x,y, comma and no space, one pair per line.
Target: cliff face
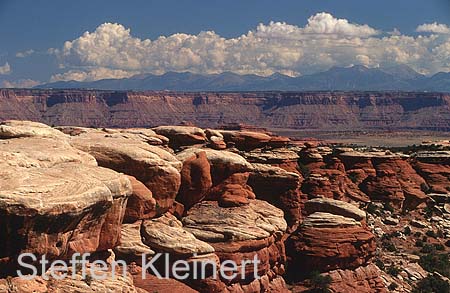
312,110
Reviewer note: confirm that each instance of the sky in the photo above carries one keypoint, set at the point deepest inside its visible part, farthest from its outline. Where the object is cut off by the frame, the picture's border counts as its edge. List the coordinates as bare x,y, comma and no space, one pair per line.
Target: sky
52,40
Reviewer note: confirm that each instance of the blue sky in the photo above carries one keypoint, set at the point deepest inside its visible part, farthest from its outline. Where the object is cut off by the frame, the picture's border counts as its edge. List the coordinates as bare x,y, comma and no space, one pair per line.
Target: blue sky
31,28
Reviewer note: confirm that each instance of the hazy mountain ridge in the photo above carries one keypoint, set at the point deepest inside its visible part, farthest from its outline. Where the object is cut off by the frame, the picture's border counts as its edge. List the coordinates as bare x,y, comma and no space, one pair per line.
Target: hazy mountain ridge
358,77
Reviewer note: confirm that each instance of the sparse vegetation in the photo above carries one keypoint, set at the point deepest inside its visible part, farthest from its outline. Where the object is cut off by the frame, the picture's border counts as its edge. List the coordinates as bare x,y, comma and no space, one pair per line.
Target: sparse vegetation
388,207
319,283
393,270
432,284
435,262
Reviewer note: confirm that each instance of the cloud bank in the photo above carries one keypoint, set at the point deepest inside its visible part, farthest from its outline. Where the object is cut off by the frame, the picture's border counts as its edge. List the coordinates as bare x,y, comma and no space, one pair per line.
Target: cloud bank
111,51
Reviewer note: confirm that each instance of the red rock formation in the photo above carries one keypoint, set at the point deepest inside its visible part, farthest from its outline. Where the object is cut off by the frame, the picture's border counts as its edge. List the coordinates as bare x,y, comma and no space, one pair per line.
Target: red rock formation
141,205
278,187
434,167
363,279
195,180
233,191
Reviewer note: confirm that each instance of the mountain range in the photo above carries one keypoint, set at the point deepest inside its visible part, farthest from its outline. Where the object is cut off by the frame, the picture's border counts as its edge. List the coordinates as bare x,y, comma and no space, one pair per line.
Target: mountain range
355,78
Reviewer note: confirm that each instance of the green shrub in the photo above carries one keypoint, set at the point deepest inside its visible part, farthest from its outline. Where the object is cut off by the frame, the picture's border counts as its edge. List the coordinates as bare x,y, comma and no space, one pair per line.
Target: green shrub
432,284
319,283
435,262
388,207
430,233
427,248
393,271
393,286
407,231
380,264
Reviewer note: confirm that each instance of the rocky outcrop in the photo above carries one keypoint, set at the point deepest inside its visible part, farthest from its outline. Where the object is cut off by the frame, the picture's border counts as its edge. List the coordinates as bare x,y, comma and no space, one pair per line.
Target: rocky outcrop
141,204
434,167
246,140
331,237
156,167
195,179
233,191
363,279
182,135
239,234
223,163
279,187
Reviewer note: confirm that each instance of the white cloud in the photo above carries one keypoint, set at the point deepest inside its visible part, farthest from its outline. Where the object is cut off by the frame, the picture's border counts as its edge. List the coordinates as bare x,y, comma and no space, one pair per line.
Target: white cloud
24,53
5,69
434,27
92,74
112,51
21,83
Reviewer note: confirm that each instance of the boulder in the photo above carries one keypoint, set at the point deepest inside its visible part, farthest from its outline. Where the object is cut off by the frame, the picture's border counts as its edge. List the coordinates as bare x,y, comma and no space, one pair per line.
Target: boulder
109,282
233,191
182,135
327,242
60,210
157,168
195,180
246,140
241,233
223,163
41,152
131,247
280,188
335,207
362,279
434,167
141,204
166,234
17,129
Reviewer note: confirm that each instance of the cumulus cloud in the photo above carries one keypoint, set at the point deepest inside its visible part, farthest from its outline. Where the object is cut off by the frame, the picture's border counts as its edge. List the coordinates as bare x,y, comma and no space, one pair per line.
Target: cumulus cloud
5,69
24,53
325,41
91,74
21,83
434,27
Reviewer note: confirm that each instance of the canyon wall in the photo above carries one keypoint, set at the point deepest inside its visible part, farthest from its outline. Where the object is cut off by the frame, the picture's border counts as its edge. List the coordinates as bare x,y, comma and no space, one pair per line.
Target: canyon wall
302,110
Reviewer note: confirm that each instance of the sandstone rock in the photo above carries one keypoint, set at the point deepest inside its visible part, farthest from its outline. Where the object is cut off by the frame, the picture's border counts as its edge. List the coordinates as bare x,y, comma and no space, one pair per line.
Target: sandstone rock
278,187
391,221
384,187
223,163
335,207
131,247
257,220
119,283
326,242
434,167
241,233
246,140
316,185
195,180
60,210
141,204
233,191
154,284
418,224
155,167
17,129
182,135
167,234
215,139
41,152
362,279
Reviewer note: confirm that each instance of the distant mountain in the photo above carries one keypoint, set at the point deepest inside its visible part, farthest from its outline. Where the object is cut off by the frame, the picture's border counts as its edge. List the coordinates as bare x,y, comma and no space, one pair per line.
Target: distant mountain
355,78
